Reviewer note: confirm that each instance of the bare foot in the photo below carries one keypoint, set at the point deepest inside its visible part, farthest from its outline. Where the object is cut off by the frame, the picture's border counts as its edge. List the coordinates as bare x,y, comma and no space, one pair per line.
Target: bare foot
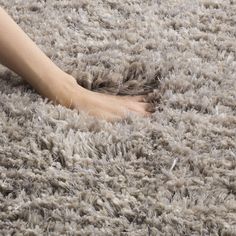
102,106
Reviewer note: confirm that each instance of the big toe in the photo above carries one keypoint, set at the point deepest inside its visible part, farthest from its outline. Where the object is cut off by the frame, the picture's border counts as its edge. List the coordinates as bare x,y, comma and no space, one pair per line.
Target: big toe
143,108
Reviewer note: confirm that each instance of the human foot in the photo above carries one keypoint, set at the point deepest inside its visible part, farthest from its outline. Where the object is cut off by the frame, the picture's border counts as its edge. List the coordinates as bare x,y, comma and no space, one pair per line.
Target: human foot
99,105
110,107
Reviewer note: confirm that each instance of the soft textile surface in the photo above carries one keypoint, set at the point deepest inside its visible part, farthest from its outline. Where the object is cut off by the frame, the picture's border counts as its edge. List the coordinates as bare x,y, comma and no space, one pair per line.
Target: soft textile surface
64,173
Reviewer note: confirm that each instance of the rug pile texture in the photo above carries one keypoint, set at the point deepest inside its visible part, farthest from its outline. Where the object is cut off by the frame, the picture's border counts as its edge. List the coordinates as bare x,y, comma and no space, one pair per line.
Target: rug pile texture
66,173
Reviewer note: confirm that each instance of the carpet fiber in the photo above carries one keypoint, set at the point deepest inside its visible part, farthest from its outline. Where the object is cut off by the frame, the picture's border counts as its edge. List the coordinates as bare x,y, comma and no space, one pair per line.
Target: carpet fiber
64,173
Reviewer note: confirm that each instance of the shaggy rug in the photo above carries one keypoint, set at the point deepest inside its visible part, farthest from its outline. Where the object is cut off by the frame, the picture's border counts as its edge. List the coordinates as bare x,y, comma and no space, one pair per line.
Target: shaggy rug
64,173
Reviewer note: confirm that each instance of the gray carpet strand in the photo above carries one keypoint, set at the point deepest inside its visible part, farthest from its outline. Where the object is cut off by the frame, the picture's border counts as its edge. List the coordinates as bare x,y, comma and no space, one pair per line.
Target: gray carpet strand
64,173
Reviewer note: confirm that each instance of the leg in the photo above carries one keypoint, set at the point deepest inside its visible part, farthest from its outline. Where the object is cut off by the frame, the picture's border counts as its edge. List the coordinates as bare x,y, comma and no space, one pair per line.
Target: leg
19,53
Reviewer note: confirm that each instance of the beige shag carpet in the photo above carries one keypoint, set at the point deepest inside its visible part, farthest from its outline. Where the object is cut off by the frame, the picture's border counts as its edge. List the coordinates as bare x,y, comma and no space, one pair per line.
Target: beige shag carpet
64,173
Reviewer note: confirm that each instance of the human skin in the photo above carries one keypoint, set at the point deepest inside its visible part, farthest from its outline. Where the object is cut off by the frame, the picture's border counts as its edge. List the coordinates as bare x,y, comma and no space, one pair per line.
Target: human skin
20,54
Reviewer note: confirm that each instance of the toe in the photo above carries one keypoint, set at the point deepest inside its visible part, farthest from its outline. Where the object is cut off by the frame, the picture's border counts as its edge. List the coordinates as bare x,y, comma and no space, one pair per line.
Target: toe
147,107
147,114
150,107
136,98
139,98
141,107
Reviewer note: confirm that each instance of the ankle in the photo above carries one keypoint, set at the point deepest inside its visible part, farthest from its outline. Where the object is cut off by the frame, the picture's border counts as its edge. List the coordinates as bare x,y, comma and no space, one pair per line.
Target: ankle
63,90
